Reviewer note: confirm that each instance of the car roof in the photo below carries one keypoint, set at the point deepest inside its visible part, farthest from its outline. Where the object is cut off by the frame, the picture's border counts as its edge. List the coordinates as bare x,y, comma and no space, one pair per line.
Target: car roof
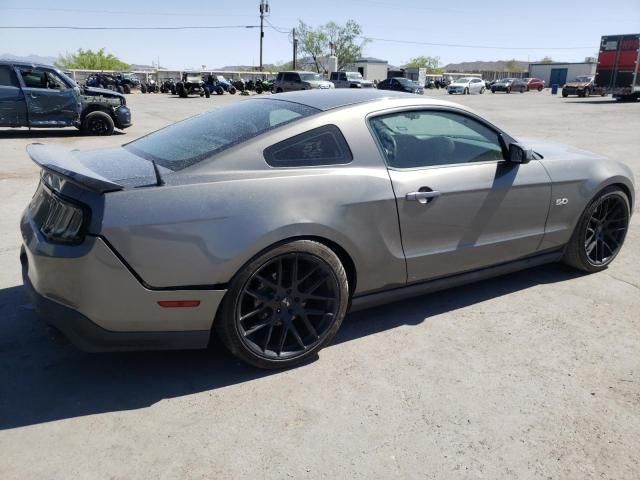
26,64
330,99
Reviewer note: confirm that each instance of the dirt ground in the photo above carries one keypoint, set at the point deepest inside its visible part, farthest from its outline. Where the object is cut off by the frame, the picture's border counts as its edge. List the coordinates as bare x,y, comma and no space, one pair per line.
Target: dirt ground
531,375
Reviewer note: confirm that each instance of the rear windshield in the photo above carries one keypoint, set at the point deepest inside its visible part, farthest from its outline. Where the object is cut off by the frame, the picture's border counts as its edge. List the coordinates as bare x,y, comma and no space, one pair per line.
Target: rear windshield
186,143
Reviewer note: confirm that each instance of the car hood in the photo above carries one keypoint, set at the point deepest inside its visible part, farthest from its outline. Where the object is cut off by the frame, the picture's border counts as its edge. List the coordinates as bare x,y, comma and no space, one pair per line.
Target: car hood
102,91
318,82
554,150
576,84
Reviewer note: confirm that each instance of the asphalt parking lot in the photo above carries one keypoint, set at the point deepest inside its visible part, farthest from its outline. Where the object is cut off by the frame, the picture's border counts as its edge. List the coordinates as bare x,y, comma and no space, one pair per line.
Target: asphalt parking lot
531,375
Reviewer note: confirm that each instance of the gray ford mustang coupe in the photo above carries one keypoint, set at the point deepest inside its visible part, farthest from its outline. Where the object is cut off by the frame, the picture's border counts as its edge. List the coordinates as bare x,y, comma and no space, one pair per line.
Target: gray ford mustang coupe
266,221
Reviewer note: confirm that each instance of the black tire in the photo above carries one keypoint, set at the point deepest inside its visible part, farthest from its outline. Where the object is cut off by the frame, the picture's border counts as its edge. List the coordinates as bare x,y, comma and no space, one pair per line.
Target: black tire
493,90
278,90
540,88
508,90
173,90
181,91
577,253
98,124
143,88
219,91
482,90
564,94
207,93
232,90
126,89
587,92
264,303
119,89
466,91
258,90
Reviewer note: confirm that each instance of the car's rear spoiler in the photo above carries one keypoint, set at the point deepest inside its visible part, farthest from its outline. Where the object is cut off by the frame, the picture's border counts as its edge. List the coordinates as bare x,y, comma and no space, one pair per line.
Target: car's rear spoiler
63,162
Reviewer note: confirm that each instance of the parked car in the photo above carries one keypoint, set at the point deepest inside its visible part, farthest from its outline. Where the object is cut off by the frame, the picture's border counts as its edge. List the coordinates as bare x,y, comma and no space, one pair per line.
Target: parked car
41,96
466,86
292,81
534,84
207,248
349,80
582,86
509,85
401,84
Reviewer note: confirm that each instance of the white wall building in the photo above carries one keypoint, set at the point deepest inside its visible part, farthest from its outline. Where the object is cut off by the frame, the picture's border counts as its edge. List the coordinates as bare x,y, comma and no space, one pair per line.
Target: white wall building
561,73
370,68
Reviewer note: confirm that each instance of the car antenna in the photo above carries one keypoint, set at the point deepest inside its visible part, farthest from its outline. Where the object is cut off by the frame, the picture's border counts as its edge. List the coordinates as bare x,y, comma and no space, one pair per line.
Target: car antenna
159,181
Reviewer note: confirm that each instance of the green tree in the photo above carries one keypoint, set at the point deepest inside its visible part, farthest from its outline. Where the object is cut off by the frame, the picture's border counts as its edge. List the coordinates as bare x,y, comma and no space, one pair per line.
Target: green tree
546,59
312,42
432,64
511,65
344,41
90,60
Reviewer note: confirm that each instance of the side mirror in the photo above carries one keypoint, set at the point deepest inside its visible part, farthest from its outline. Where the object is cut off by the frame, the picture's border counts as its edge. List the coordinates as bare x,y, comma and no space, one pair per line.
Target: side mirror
517,154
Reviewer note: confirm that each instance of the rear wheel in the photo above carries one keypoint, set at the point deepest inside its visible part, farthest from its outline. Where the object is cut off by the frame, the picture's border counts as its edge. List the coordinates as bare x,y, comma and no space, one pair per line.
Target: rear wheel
481,90
540,88
219,91
207,93
98,123
143,88
565,94
285,305
600,232
126,89
232,90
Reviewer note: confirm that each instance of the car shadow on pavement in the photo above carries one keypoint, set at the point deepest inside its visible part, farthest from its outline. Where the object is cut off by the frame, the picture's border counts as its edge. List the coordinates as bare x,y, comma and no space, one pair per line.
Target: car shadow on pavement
43,378
37,133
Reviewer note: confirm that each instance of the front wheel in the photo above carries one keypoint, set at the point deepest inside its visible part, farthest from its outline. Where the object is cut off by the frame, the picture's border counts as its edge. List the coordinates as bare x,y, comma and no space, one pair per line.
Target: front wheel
481,90
600,232
98,123
587,92
466,91
232,90
284,305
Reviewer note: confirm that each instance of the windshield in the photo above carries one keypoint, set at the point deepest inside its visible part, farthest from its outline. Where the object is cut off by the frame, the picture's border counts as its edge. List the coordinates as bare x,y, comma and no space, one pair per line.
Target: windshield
506,80
310,77
583,78
463,80
354,76
405,82
186,143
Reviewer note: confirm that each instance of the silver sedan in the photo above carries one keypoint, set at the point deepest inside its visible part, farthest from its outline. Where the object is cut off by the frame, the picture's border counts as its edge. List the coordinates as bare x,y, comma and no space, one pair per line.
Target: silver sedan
466,86
265,222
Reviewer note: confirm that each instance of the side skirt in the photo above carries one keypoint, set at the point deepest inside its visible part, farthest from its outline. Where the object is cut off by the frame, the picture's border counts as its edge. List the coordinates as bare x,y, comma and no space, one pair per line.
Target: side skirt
417,289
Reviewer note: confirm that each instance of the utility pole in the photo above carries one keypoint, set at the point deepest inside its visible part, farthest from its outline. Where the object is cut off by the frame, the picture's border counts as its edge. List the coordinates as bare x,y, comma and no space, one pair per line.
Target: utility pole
295,50
264,10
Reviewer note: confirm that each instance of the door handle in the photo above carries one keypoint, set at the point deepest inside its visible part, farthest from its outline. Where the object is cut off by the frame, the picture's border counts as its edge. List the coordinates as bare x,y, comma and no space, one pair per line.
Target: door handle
422,197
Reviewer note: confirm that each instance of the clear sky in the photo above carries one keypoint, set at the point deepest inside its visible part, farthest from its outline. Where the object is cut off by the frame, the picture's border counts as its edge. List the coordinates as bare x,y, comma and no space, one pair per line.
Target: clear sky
545,25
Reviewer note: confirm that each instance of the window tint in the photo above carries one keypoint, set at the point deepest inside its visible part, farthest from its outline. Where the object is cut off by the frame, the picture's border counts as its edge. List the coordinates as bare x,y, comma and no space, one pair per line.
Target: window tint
321,146
8,77
291,77
39,78
429,138
188,142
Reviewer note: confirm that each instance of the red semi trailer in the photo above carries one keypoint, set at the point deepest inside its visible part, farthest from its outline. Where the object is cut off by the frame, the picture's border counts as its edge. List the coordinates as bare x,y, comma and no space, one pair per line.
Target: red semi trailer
618,64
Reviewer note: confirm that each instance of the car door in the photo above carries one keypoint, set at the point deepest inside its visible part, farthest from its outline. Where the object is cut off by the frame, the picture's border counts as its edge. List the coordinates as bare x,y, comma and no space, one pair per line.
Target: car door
461,206
50,100
477,85
13,106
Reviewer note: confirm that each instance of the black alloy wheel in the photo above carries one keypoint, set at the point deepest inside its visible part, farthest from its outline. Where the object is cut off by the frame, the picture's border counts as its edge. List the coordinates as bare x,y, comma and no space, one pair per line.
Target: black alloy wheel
600,232
606,230
288,305
284,306
98,123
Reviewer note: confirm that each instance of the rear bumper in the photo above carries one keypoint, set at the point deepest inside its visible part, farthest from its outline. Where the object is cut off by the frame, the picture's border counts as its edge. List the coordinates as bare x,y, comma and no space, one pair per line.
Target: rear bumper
88,336
88,293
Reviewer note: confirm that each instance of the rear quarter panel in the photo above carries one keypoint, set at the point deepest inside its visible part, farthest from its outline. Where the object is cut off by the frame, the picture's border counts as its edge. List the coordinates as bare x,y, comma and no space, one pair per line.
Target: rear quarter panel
229,210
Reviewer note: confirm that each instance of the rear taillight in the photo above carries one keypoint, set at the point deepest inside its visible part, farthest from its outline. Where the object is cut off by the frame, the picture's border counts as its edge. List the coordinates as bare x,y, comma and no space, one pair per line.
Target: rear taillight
59,220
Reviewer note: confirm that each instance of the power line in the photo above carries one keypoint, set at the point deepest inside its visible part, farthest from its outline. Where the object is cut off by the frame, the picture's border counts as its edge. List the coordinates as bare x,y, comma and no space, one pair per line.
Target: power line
277,29
210,27
488,47
128,12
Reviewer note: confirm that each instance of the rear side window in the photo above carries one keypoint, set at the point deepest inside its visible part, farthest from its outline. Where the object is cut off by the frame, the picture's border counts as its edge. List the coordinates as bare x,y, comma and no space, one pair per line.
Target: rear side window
321,146
8,77
188,142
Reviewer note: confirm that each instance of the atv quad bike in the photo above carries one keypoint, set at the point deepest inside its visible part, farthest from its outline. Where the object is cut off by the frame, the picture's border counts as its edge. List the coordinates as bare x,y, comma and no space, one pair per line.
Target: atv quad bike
192,84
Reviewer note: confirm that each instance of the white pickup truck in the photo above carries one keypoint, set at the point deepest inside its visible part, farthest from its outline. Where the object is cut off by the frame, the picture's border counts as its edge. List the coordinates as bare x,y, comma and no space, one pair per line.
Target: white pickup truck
349,80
